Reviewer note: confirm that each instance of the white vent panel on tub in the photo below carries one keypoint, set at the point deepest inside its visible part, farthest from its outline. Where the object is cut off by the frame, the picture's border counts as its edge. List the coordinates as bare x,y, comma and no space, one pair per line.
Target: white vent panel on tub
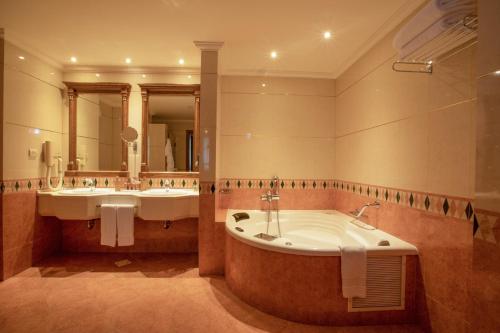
385,285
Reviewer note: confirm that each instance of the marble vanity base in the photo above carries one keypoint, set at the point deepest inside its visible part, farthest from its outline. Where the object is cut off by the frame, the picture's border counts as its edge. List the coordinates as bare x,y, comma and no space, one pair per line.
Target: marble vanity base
150,236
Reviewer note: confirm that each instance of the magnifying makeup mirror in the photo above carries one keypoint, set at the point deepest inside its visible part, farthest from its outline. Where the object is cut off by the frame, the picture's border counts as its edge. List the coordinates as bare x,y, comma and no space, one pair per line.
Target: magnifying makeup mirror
129,134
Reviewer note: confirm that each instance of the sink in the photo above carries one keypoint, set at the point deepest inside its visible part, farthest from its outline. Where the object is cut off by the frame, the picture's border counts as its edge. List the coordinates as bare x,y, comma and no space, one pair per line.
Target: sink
152,204
168,192
85,191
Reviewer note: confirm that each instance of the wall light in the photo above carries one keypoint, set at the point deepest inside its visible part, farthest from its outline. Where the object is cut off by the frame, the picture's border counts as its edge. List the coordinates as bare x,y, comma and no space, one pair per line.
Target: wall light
143,75
274,54
128,60
21,57
97,74
181,61
327,35
497,72
73,59
263,85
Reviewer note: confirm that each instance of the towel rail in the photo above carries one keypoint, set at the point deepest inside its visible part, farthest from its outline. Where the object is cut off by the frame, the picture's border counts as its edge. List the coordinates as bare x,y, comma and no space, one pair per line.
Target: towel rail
460,35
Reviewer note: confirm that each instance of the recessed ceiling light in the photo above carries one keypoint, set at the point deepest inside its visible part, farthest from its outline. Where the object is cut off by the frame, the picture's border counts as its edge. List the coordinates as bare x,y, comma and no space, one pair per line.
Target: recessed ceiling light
181,61
73,59
52,73
327,35
21,57
189,76
497,72
274,54
128,60
143,75
97,74
263,85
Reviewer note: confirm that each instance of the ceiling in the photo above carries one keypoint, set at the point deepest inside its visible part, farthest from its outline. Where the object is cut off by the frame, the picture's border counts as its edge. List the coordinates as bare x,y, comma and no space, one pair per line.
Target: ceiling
172,107
157,33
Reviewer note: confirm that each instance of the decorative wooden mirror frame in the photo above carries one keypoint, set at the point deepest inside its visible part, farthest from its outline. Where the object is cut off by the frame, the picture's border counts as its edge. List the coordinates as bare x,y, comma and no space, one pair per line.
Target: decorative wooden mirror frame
168,89
75,88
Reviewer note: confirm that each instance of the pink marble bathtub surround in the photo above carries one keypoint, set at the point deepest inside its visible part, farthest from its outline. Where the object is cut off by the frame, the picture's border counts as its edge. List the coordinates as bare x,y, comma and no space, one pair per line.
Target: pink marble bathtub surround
27,237
150,237
445,255
289,199
302,288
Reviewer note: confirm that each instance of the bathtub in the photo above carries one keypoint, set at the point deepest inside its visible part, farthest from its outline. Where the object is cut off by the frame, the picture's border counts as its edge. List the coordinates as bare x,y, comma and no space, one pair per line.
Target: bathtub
297,276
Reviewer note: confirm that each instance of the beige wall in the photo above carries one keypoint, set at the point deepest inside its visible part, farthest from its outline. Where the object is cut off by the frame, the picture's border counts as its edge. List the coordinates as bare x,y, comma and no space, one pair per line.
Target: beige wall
407,130
285,128
33,112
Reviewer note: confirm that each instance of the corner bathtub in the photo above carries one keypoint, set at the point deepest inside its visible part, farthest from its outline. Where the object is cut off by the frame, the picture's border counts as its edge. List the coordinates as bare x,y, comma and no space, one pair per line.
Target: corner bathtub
297,277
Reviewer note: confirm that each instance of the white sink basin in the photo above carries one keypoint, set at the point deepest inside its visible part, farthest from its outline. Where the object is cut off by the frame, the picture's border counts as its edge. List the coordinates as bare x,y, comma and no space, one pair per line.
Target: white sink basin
85,191
152,204
167,192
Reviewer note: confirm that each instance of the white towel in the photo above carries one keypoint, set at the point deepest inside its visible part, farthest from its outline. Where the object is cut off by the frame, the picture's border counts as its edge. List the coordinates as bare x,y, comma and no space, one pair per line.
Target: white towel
170,156
125,224
108,225
353,269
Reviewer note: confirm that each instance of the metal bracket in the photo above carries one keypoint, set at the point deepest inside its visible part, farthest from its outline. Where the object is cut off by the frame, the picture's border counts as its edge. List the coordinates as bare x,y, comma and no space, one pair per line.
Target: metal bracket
90,224
167,224
413,67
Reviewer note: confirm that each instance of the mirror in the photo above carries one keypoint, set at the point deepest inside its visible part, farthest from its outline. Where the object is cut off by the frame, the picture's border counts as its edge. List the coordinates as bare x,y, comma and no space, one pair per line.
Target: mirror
170,127
129,134
99,127
170,133
97,115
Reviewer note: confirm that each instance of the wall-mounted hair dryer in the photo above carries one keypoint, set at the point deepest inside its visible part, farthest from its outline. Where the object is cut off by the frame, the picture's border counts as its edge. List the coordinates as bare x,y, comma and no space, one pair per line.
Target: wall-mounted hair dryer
50,160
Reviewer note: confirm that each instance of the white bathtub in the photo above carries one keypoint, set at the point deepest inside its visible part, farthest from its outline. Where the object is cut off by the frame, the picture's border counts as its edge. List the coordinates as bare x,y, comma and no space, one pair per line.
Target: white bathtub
314,233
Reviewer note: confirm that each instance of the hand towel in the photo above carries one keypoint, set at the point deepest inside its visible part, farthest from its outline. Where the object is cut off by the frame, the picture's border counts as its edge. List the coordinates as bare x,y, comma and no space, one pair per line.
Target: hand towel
125,224
108,225
353,269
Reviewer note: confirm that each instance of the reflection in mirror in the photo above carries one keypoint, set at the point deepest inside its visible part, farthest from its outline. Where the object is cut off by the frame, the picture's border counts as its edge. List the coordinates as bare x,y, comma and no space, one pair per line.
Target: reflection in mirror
170,132
99,124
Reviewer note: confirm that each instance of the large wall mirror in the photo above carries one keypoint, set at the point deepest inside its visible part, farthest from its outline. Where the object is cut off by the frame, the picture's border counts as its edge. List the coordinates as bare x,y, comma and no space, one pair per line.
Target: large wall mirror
98,113
170,129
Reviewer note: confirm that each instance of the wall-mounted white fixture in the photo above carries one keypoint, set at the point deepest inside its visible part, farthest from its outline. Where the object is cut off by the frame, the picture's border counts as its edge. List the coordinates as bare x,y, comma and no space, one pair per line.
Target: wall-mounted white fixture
32,153
50,160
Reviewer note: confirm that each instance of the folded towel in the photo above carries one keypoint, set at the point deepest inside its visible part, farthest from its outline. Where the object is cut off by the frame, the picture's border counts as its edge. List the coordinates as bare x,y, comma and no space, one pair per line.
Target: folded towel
125,224
108,225
353,269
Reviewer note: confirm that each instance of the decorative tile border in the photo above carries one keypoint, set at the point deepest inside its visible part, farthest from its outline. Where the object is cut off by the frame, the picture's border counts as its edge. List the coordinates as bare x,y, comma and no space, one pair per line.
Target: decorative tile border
461,208
294,184
485,222
34,184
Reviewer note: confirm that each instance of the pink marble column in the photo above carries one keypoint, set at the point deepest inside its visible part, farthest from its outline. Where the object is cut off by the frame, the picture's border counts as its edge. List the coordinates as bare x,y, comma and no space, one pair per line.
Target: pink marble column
210,237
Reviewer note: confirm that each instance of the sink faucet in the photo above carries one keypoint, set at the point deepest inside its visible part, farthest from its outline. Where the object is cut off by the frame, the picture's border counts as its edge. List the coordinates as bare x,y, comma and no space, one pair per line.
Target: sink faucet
270,196
89,182
359,212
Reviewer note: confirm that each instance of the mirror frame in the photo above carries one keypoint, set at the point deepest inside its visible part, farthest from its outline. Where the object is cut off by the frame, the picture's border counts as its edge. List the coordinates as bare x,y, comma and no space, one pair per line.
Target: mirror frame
148,89
75,88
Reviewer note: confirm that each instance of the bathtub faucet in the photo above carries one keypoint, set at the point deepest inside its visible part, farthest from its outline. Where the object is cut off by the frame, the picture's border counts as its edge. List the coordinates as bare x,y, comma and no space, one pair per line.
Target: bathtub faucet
359,212
270,196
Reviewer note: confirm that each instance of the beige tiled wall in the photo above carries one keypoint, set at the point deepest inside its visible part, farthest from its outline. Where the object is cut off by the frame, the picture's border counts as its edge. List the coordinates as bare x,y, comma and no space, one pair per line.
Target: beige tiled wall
33,112
284,128
407,130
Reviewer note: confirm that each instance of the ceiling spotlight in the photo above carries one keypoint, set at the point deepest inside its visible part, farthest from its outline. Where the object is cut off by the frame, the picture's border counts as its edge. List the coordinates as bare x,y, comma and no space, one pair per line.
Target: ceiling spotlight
143,75
327,35
274,54
21,57
497,72
128,60
97,74
73,59
263,85
189,76
52,73
181,61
